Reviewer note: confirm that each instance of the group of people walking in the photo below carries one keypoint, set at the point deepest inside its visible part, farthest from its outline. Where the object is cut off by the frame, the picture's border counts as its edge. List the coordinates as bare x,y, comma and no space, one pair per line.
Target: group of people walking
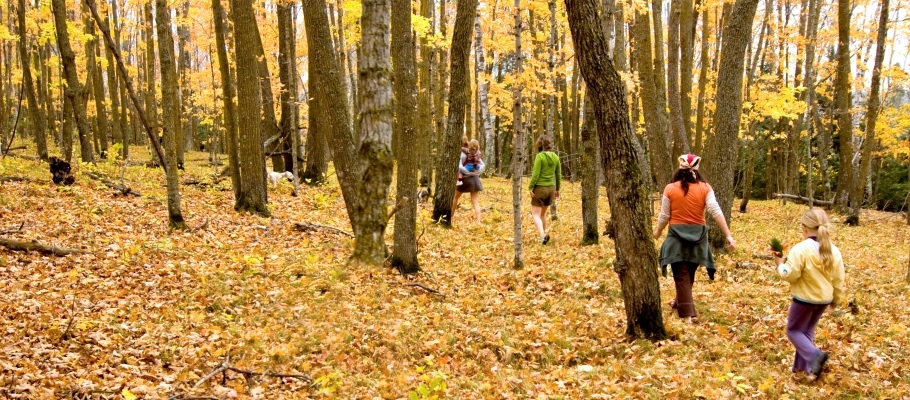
814,267
544,188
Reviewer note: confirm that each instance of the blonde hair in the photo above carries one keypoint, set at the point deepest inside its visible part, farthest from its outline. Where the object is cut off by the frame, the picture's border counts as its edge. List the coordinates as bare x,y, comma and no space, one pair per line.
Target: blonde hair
816,220
464,141
473,145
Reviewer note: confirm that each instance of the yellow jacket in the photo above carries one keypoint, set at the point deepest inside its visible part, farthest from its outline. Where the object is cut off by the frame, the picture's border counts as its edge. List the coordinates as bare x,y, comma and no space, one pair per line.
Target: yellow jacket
808,281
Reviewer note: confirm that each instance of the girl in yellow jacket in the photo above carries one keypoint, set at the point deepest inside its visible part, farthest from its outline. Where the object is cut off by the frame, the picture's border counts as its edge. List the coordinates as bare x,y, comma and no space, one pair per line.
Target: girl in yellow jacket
815,270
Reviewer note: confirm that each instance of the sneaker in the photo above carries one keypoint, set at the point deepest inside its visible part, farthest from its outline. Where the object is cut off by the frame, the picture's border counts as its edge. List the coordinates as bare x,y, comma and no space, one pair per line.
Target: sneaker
818,364
545,240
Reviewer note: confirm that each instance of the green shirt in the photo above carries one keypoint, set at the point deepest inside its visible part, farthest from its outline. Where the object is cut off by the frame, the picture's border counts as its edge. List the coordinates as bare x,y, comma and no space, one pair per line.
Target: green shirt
547,170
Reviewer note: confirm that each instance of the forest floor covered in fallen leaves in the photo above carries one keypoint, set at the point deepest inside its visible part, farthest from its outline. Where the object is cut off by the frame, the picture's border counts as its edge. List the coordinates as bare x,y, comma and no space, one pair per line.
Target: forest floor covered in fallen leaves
149,313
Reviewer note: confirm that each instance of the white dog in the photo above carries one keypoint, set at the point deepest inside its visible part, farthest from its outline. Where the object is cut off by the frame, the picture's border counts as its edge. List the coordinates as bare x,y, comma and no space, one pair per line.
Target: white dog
275,176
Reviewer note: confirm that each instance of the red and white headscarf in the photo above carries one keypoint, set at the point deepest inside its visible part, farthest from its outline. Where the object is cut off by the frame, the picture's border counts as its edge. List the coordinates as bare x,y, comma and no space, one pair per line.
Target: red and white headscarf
689,161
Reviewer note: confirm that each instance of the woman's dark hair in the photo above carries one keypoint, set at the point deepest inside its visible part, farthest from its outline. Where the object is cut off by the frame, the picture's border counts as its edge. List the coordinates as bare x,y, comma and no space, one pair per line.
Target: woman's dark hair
686,176
544,143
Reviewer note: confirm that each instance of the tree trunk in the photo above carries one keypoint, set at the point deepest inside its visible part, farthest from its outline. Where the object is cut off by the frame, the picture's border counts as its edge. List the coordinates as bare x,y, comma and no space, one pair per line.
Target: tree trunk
288,94
483,85
702,84
269,123
874,105
185,122
687,19
227,95
747,178
677,124
722,150
94,70
425,102
518,147
656,124
636,259
118,125
66,136
404,256
590,155
151,106
170,110
74,90
39,129
252,164
440,89
842,101
448,159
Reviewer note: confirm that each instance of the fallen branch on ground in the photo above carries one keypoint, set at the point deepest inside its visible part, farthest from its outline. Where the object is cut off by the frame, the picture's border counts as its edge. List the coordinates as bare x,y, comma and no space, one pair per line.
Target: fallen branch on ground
311,227
122,189
226,366
425,288
16,245
4,179
762,257
201,227
13,230
802,199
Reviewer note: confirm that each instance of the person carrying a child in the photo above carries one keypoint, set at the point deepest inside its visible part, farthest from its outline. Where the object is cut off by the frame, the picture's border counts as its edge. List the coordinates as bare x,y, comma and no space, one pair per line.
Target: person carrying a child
815,270
470,166
686,246
464,150
545,180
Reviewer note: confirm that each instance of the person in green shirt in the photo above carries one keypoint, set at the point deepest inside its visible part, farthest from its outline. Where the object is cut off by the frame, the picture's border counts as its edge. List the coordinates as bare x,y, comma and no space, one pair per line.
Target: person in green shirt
544,186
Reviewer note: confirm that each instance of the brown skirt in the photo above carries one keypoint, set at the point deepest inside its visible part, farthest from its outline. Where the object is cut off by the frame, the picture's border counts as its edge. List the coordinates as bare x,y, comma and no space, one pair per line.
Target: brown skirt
469,184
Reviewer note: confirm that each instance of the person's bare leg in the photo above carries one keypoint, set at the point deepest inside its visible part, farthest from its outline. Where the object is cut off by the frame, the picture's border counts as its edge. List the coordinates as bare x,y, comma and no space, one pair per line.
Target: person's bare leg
455,205
475,199
538,222
543,219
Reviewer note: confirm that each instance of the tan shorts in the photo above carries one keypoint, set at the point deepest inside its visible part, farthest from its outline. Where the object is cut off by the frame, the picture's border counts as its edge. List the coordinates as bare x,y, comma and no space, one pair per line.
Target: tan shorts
543,196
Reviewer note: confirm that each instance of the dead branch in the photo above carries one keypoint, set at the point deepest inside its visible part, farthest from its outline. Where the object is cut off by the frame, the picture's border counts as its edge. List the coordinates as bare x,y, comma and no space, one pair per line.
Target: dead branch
12,230
425,288
122,189
401,203
221,368
4,179
226,366
202,226
311,227
16,245
805,200
762,257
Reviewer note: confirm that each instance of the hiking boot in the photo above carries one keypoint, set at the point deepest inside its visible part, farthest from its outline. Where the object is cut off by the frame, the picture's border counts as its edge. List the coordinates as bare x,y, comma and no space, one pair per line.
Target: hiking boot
545,240
818,364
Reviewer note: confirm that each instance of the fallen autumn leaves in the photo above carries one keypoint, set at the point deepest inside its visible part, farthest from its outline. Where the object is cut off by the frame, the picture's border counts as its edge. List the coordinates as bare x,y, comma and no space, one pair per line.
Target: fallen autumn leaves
149,313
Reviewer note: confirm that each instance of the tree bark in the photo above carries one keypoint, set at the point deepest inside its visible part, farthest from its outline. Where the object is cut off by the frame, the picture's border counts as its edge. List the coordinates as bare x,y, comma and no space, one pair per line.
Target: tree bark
842,101
227,94
37,114
687,19
404,255
151,106
656,125
747,178
252,164
288,95
448,160
590,155
185,122
170,109
677,124
722,150
94,70
873,107
483,87
702,84
74,90
636,260
518,145
118,127
425,102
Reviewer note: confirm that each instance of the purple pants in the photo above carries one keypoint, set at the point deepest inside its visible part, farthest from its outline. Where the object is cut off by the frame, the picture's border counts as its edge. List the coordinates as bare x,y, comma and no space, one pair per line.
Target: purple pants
801,323
684,277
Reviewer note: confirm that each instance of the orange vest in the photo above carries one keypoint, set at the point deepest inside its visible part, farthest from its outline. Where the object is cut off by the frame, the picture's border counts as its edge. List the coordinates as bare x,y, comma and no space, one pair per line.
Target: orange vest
687,209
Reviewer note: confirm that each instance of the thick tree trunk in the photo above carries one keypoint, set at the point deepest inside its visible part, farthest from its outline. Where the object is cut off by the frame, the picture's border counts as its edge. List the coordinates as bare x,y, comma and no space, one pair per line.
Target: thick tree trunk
323,70
170,110
722,150
518,147
687,19
636,260
39,128
702,85
656,122
747,178
842,101
227,94
404,256
590,156
440,89
74,90
425,102
448,159
252,164
374,157
185,128
66,136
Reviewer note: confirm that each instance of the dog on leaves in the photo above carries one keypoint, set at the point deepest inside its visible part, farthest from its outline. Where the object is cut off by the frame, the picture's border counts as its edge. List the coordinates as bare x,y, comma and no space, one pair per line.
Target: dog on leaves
275,176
